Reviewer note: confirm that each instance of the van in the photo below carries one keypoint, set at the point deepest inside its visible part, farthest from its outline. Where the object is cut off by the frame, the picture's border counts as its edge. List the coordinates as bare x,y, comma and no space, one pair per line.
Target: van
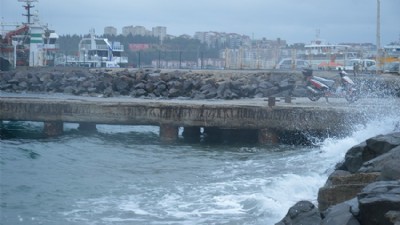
362,63
288,64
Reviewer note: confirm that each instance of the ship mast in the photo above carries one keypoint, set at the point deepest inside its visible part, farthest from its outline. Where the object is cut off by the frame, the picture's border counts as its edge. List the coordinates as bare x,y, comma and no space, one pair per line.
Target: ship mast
28,7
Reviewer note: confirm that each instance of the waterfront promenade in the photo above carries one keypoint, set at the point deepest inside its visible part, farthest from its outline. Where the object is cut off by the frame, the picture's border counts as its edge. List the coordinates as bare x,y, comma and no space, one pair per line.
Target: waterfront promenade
256,114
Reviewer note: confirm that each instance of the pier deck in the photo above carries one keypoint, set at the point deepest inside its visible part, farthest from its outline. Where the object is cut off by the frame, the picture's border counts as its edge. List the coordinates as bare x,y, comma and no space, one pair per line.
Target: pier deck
299,115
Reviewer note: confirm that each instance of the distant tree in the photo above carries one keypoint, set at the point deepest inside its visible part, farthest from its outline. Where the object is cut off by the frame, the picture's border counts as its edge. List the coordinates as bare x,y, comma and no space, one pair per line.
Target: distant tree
179,48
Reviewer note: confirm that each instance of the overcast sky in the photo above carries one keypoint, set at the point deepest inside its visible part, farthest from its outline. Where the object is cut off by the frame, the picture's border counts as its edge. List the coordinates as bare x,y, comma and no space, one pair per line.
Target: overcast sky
291,20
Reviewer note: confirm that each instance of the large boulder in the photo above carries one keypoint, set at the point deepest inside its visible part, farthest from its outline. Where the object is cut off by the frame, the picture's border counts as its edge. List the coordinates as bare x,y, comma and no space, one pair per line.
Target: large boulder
377,164
342,186
341,214
376,200
370,149
381,144
303,212
354,158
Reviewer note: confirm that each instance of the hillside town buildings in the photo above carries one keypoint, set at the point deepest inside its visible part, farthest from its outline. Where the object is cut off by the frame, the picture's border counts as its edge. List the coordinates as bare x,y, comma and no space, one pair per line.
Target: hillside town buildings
242,52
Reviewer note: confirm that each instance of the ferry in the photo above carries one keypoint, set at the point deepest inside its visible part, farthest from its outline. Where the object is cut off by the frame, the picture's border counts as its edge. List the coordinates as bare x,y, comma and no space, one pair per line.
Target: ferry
28,44
94,51
320,54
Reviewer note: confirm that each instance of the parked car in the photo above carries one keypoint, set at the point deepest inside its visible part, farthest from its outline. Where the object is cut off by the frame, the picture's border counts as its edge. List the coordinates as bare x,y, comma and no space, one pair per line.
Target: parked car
288,64
393,67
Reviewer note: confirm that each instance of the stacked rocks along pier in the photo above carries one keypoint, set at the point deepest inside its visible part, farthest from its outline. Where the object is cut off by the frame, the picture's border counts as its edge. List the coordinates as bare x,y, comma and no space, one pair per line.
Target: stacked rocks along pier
264,106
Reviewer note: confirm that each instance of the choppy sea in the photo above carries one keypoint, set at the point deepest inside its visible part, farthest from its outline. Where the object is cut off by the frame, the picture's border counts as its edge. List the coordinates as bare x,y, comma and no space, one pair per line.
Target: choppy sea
125,175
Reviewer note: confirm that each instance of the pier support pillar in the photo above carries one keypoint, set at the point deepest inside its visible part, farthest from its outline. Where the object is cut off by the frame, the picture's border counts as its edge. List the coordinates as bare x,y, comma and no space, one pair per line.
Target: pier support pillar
87,127
191,133
52,129
267,136
168,132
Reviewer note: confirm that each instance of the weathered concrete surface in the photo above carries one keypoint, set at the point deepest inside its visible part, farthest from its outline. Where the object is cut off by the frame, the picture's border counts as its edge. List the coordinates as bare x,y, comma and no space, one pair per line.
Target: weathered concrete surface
232,114
179,113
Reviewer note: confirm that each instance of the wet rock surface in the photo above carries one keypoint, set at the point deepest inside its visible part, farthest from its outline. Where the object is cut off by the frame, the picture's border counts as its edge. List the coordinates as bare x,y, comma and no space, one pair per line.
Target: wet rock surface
365,188
303,212
378,199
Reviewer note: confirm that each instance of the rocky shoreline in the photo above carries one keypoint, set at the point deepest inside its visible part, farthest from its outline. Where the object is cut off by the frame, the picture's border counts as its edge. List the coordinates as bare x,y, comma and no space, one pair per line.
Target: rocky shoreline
364,189
154,83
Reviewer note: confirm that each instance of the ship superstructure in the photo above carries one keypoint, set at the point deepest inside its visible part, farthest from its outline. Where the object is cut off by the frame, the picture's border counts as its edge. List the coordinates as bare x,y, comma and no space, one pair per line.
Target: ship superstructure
28,44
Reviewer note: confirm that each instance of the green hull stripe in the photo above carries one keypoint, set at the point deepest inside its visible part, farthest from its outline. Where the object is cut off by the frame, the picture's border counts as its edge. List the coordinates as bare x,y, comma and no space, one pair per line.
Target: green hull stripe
36,35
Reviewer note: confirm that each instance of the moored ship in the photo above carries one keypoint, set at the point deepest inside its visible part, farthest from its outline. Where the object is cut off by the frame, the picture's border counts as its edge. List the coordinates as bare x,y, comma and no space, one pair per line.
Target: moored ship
27,44
95,51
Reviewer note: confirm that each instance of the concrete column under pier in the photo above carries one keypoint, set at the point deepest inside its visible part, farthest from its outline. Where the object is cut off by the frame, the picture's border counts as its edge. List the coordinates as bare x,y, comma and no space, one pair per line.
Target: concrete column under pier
87,127
52,129
267,136
168,132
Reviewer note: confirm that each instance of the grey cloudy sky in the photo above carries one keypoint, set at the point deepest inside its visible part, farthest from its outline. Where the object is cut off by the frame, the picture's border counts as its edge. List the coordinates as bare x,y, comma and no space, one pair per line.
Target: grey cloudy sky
291,20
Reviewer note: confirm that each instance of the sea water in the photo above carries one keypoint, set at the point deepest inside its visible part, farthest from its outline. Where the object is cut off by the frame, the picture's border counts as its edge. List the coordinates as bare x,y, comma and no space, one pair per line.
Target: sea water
125,175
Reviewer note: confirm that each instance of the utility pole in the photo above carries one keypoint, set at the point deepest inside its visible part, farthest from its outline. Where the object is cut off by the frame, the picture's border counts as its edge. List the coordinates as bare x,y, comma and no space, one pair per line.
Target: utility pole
378,34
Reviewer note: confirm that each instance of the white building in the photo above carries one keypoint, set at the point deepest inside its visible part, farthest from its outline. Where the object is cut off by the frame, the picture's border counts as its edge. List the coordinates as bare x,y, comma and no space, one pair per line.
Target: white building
160,32
135,30
110,30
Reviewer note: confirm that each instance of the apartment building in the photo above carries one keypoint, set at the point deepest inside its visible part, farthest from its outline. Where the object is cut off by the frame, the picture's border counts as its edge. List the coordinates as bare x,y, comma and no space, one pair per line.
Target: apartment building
110,30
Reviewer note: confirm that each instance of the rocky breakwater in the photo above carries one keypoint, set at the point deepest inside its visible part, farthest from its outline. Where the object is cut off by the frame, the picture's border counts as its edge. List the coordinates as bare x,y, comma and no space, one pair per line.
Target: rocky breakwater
198,84
363,190
150,83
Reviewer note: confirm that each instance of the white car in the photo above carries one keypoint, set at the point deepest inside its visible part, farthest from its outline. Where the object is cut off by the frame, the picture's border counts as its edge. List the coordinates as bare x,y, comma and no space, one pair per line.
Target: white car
288,64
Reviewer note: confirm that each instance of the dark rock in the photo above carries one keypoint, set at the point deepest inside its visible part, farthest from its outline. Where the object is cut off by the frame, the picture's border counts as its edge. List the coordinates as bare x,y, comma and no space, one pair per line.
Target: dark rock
69,90
166,77
139,92
23,84
376,200
149,87
121,84
381,144
341,214
353,158
302,213
370,149
188,85
391,170
174,92
377,164
108,92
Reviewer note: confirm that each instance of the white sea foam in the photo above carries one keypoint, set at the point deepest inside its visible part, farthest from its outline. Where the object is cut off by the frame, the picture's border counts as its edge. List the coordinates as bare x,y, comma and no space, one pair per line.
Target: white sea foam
287,189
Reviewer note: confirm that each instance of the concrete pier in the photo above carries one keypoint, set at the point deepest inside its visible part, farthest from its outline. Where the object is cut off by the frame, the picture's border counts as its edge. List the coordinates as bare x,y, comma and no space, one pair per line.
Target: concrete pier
168,132
217,117
53,128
